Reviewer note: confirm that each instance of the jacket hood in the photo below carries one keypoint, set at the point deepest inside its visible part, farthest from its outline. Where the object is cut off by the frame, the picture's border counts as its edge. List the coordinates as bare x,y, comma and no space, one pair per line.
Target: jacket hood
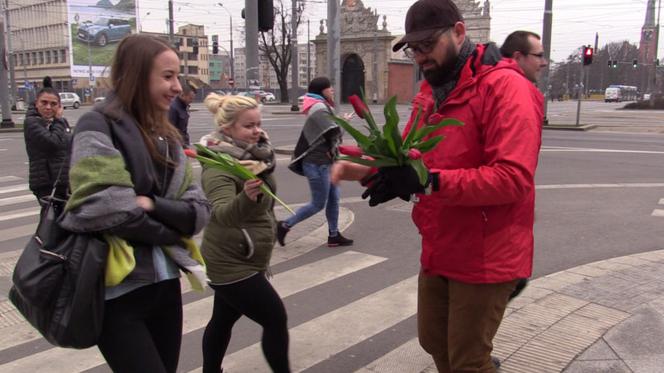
32,111
309,102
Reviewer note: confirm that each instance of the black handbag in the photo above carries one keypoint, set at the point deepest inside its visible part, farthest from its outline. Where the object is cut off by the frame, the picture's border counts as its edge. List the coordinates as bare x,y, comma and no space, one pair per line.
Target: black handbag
58,281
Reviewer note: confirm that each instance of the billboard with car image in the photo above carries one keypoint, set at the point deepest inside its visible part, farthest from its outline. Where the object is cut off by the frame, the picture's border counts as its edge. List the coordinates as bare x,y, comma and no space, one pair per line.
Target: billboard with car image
96,28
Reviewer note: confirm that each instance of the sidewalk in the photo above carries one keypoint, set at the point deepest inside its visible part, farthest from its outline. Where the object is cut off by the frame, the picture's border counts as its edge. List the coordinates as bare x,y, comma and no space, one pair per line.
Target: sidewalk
606,316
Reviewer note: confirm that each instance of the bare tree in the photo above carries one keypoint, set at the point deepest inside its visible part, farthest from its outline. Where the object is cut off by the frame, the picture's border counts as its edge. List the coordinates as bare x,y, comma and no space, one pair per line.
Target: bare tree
275,45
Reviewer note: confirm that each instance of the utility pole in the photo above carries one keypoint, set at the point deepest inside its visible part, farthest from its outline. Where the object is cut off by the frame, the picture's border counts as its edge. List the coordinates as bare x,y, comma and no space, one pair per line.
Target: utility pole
294,57
7,121
375,67
580,93
171,22
334,47
251,40
546,41
308,55
230,17
10,56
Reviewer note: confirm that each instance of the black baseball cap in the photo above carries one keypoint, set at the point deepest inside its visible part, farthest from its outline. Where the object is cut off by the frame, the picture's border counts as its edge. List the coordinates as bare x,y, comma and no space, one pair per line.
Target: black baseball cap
425,18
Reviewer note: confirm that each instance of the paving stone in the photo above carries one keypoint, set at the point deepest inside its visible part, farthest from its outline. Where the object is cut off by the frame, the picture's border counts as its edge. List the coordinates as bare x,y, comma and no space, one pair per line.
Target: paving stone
646,364
640,335
598,351
607,366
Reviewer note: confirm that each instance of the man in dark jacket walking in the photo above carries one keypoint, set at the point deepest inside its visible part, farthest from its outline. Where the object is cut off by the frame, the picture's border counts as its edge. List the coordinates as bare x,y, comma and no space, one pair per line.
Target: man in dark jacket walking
179,112
476,213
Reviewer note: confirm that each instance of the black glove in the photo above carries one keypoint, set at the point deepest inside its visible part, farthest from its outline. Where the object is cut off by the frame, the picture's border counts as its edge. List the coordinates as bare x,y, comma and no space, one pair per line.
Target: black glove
391,182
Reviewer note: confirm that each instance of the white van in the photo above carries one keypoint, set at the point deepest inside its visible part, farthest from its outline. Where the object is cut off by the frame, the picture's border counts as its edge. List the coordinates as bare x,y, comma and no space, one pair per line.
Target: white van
70,99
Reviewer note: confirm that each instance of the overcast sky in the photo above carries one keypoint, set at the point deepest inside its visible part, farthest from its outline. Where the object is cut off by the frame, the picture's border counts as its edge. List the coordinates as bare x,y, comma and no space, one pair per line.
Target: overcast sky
575,22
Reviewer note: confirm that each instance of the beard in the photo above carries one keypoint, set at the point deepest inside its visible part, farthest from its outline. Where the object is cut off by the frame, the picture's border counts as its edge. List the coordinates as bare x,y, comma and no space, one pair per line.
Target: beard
443,72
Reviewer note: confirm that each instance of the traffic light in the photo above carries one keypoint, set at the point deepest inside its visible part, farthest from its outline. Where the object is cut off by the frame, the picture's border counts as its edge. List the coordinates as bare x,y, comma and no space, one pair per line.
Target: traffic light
587,55
657,62
215,44
195,47
610,63
635,63
615,64
265,15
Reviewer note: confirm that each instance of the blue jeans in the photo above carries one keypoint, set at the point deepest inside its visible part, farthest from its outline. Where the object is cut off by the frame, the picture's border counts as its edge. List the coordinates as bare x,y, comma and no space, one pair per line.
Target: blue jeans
323,195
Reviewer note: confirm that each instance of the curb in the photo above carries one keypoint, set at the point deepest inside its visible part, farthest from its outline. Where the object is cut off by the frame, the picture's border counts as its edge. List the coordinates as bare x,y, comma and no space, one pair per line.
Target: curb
287,113
287,150
569,127
10,130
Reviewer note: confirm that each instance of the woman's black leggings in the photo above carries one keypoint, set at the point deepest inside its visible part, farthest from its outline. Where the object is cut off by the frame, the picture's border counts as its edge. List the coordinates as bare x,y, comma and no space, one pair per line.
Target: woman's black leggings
143,329
257,299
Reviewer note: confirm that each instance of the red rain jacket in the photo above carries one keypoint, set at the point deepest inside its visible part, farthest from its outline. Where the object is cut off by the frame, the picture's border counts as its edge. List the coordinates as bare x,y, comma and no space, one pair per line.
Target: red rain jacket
478,228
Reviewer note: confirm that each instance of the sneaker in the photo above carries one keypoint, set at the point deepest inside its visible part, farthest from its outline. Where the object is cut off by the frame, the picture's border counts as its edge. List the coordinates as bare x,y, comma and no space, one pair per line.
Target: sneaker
338,240
282,231
495,361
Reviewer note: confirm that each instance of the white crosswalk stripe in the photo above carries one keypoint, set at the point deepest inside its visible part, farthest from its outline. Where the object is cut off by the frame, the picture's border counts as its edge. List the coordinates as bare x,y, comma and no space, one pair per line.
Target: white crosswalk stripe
14,188
390,300
5,179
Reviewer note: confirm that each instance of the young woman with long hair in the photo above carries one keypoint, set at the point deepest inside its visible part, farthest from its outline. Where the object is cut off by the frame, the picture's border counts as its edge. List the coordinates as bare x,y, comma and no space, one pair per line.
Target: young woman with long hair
131,182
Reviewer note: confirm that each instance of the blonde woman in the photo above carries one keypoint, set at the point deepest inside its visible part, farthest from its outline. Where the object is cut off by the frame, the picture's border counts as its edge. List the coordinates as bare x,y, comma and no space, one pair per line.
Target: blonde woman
237,244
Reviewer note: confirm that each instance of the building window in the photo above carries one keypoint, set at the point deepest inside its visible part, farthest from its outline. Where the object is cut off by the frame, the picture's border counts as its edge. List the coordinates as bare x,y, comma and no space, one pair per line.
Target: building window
63,56
193,70
55,56
48,57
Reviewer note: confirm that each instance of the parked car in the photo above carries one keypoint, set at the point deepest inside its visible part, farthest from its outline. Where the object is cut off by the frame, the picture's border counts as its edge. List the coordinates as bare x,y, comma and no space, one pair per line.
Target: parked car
269,96
103,30
99,99
70,99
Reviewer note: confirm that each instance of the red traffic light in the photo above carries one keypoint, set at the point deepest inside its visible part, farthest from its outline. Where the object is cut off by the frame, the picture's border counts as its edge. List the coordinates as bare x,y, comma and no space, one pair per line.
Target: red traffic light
587,55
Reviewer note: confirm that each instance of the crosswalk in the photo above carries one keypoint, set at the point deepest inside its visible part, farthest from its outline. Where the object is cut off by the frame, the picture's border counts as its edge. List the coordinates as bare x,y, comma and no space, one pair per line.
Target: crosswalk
316,335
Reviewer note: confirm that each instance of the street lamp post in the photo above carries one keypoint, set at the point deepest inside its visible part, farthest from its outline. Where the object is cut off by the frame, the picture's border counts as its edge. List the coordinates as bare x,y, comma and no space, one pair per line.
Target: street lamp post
230,16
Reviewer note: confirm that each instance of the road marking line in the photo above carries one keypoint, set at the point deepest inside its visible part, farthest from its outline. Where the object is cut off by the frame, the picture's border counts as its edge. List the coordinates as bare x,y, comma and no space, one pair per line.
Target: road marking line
4,179
17,232
595,150
14,188
20,214
197,314
328,334
17,199
589,186
658,213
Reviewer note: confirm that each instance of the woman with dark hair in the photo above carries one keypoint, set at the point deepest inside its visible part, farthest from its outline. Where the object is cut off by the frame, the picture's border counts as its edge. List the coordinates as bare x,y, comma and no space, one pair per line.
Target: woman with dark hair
315,152
47,142
131,181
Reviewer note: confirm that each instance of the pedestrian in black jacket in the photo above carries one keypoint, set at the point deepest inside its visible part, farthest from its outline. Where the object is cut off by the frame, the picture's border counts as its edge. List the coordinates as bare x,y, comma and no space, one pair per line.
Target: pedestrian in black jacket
47,142
178,114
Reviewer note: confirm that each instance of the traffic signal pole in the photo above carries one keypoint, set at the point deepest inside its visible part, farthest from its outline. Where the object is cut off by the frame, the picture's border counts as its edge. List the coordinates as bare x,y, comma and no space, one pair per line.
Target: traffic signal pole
580,94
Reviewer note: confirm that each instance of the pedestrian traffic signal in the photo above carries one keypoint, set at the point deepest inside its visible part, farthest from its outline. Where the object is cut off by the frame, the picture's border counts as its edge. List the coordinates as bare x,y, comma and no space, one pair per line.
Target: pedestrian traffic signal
635,63
265,15
587,55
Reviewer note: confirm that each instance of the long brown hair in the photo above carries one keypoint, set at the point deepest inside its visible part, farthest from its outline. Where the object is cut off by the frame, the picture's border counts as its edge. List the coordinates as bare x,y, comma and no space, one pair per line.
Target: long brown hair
130,77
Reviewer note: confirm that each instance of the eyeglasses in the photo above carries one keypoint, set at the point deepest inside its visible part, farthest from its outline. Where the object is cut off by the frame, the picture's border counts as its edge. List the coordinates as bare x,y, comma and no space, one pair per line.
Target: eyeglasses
538,55
423,47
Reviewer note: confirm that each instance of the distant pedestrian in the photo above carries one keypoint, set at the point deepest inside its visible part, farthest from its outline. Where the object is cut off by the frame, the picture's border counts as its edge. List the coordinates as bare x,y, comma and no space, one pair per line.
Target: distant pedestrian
132,183
238,242
47,142
526,49
315,152
178,113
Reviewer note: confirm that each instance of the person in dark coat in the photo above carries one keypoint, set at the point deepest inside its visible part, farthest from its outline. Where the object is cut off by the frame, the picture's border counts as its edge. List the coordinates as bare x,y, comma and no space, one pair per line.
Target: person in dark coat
47,142
178,114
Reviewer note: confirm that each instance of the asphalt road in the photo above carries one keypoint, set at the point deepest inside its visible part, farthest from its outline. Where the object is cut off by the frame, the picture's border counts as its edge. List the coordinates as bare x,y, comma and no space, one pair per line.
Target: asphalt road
598,197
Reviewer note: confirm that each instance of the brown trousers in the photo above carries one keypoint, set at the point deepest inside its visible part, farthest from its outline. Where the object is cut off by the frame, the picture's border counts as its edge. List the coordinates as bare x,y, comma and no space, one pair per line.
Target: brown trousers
457,321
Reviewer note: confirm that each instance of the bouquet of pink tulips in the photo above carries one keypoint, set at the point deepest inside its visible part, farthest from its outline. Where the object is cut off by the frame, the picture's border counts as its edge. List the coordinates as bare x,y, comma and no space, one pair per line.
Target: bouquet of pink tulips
386,147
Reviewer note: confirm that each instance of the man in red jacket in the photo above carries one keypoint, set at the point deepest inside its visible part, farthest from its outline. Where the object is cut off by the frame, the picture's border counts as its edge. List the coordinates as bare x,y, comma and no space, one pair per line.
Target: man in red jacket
476,212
